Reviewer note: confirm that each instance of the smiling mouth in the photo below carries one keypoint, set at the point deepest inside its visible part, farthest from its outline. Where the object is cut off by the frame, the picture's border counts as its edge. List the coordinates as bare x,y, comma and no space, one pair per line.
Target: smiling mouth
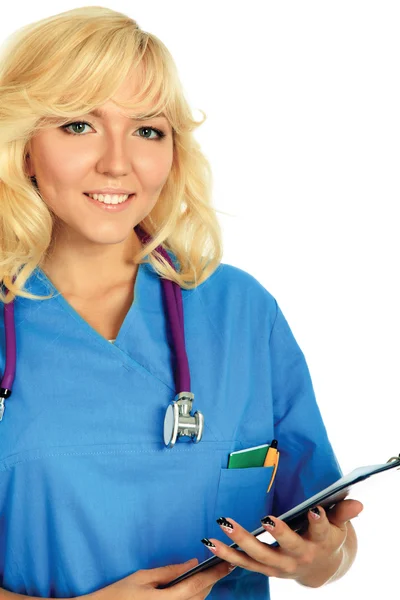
110,195
113,203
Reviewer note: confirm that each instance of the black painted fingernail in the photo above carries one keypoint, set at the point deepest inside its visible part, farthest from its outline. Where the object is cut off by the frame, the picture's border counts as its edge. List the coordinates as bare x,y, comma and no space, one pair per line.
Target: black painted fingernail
224,522
207,543
267,521
315,510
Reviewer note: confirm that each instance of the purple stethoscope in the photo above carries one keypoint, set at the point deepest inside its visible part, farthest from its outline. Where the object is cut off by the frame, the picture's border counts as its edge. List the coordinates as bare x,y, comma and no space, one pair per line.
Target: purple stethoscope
178,421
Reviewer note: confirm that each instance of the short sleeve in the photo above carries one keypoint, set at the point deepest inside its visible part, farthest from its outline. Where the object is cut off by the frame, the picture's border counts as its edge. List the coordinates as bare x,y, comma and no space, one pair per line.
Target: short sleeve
307,462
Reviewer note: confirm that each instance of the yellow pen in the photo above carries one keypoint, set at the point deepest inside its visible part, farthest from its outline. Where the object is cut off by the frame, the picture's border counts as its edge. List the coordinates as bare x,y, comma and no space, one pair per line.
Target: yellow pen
271,460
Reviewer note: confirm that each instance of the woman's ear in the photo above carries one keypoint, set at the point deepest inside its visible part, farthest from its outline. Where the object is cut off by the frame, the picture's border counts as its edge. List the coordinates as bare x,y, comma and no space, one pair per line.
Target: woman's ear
28,166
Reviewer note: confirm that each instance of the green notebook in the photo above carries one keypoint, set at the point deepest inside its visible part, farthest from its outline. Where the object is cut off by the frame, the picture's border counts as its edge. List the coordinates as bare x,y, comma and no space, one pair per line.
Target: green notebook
249,457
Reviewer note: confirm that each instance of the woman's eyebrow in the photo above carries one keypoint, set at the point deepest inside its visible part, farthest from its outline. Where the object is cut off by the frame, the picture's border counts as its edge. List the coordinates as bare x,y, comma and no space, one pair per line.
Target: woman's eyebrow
97,112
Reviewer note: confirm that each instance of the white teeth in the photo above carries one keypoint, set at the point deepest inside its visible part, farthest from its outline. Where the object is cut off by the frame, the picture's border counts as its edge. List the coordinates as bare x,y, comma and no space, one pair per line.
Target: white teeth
109,198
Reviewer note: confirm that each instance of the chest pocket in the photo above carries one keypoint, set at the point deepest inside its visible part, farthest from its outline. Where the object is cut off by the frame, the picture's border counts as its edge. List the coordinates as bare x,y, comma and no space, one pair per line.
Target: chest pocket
242,494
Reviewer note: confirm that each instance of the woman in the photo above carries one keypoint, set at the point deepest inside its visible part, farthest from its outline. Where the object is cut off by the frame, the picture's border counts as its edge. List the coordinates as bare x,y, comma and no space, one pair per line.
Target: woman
92,502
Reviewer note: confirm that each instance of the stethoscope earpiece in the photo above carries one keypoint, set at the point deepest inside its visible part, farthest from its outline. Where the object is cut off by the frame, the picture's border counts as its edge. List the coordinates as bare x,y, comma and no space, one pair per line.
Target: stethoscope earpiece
179,422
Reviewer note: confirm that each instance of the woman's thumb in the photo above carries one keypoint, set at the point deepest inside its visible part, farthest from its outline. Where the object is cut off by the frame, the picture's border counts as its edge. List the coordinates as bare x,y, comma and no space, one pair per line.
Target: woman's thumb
170,572
191,560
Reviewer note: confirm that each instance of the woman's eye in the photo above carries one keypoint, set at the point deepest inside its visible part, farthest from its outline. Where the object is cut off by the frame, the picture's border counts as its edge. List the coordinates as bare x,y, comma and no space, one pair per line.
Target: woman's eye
159,133
74,123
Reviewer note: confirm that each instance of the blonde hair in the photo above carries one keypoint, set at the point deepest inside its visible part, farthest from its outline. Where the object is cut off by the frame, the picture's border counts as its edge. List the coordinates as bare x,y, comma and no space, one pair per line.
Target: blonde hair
70,63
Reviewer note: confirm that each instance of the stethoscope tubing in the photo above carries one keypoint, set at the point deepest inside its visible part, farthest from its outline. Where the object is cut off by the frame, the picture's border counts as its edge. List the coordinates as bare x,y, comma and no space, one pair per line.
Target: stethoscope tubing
174,305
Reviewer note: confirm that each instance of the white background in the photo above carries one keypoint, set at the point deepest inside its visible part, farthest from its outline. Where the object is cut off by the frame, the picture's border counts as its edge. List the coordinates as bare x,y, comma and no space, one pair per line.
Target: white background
303,127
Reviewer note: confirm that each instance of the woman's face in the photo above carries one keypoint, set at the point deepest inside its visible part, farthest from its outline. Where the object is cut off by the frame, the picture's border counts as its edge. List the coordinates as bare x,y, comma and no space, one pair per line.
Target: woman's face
112,151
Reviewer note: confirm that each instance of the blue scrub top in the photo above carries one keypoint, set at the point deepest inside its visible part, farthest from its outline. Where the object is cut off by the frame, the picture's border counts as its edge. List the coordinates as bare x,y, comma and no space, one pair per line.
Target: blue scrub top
89,493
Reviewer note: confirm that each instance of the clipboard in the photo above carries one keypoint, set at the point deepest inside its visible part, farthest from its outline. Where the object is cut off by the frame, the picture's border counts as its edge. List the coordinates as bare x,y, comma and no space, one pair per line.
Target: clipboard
296,517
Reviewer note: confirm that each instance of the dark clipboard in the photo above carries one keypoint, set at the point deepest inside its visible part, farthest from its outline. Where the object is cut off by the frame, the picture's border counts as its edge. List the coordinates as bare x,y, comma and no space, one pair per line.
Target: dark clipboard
296,517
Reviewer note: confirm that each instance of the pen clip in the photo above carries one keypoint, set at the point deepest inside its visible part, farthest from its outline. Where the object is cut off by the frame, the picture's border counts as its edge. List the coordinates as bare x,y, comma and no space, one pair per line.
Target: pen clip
394,458
273,472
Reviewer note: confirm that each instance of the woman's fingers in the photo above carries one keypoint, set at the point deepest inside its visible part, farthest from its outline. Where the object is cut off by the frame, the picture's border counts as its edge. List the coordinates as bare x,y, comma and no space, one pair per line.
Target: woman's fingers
197,585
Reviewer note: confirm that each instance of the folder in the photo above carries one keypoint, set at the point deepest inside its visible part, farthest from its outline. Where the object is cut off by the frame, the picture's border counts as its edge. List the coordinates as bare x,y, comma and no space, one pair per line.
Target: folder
296,517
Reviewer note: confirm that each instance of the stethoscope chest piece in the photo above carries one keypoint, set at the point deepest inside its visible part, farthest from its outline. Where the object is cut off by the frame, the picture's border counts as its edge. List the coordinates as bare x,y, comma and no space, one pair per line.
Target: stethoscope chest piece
179,422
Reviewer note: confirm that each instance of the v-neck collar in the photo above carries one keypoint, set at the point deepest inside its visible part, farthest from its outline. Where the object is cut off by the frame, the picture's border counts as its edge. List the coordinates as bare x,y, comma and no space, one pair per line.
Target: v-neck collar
136,303
142,340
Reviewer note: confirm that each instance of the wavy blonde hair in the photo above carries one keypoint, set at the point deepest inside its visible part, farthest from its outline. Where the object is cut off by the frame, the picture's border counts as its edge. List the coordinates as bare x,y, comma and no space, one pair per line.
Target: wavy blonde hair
68,64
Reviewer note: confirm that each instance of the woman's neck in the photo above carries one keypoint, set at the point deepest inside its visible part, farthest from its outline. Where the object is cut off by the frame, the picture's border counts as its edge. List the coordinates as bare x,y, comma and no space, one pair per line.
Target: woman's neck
86,270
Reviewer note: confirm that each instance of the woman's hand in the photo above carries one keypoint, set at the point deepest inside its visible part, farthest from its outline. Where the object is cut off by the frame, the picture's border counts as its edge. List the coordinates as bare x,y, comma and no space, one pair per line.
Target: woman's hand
305,557
142,584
